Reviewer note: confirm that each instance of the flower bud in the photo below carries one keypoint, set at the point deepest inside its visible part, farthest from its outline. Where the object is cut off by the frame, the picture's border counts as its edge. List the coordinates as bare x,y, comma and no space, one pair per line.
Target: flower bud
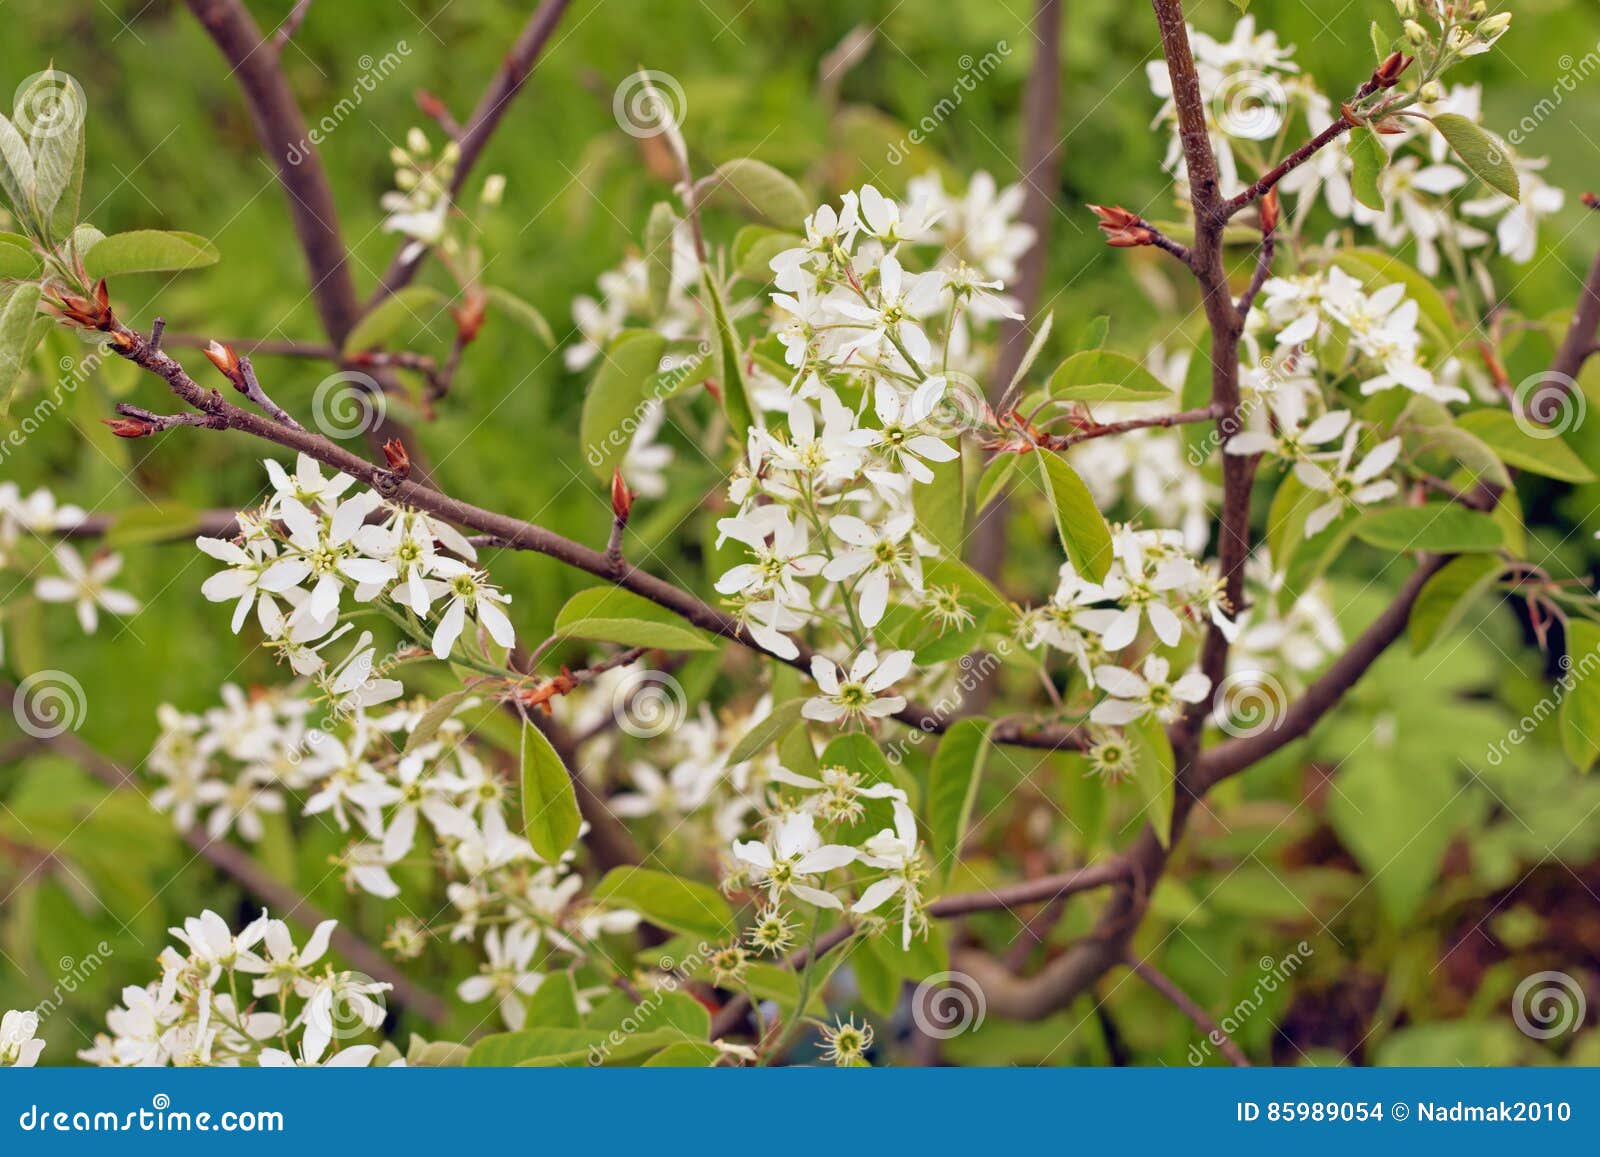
1416,33
1406,8
394,453
1493,26
130,427
223,357
621,497
469,315
416,140
1430,92
1590,201
1269,212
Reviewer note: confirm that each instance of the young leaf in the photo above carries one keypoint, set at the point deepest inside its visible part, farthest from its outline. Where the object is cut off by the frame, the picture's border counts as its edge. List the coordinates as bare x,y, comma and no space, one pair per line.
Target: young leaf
1445,598
1488,158
519,310
658,254
755,246
409,310
735,398
16,336
52,108
1153,773
1543,453
1035,346
18,261
613,615
941,507
953,782
1580,706
550,816
1368,157
1082,527
756,187
1102,376
668,901
433,719
778,722
148,251
16,170
1437,526
617,396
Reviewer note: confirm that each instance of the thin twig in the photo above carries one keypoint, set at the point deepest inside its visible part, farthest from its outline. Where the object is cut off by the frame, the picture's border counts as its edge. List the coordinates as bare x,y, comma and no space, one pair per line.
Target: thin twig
1186,1005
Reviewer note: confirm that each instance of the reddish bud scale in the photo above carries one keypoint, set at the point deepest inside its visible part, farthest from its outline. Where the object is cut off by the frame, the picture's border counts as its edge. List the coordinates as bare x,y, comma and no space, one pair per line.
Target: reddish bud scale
469,315
621,497
130,427
394,453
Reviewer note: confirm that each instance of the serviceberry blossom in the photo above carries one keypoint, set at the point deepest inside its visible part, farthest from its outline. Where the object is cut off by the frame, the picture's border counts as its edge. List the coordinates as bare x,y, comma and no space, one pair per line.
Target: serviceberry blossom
860,694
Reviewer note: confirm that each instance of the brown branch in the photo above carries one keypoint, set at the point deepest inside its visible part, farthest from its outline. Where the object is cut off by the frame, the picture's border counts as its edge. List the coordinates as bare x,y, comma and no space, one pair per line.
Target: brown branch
1156,980
291,25
514,533
492,106
1579,342
278,897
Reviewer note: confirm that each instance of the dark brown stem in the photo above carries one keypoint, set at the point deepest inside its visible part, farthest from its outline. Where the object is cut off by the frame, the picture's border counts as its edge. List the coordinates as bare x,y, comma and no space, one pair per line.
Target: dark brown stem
1579,341
492,106
1182,1001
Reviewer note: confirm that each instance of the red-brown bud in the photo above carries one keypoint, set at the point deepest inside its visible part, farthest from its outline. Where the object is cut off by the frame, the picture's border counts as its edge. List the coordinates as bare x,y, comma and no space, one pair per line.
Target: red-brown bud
1590,201
130,427
621,497
1388,73
223,357
86,313
1123,230
469,315
431,105
1269,212
394,453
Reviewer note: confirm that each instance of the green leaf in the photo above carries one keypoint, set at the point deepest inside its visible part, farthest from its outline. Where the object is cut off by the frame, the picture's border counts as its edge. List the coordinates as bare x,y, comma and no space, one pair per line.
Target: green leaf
148,251
1580,705
614,615
433,719
778,723
941,506
16,336
16,170
550,816
410,310
668,901
1488,158
1103,376
994,479
755,246
520,311
568,1046
1035,347
735,397
1538,453
1154,773
953,781
616,399
52,107
758,188
1368,157
658,254
1444,599
1443,527
1082,527
554,1004
18,260
685,1055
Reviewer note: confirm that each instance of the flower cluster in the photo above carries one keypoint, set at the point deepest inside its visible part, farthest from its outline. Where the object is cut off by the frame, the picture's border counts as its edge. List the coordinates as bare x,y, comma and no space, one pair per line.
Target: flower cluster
297,558
248,999
402,782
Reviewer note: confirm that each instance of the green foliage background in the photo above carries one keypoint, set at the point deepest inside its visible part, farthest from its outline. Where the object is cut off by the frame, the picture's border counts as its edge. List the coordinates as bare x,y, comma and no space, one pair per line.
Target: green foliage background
1418,928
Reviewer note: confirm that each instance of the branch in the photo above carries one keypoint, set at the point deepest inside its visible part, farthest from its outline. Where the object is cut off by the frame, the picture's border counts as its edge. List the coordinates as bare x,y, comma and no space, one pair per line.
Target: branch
273,893
1579,342
492,106
1193,1011
509,532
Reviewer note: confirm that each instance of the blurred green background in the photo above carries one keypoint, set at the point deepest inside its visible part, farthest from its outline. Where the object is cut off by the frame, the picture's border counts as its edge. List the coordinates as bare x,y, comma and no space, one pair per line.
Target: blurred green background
1418,969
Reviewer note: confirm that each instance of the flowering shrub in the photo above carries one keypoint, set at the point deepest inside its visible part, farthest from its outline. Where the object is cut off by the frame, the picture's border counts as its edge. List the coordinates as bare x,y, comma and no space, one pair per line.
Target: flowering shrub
663,833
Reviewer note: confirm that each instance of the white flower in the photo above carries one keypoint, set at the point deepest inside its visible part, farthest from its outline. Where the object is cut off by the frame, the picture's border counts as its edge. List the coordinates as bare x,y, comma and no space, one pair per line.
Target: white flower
644,461
879,555
1348,487
902,298
899,439
19,1048
1133,697
1296,438
897,852
860,694
349,1057
306,484
507,973
793,854
86,586
283,968
468,590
